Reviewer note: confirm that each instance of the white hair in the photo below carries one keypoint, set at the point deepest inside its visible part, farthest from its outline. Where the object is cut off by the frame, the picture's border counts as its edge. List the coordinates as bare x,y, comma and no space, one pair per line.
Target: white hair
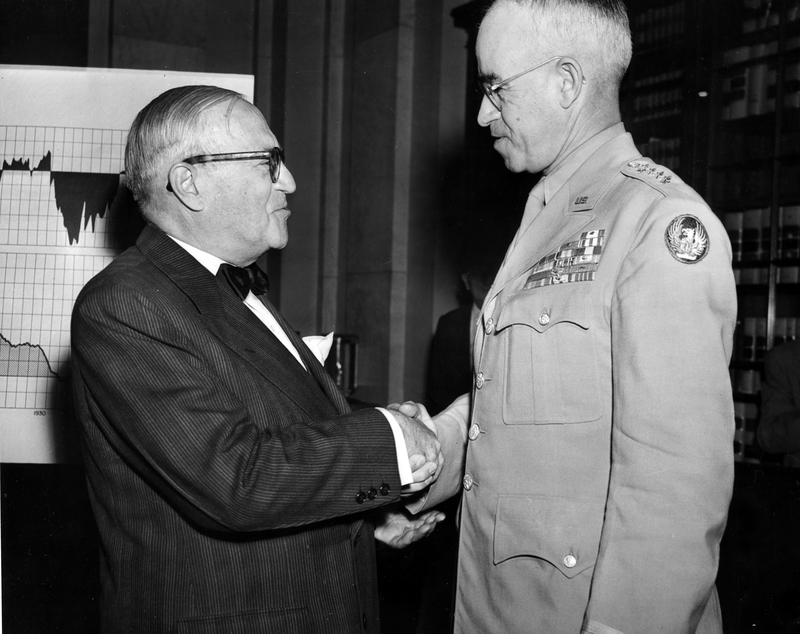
595,32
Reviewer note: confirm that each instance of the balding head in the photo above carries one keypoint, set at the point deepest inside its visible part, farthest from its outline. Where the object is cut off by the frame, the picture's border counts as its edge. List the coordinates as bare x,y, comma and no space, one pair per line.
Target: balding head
169,129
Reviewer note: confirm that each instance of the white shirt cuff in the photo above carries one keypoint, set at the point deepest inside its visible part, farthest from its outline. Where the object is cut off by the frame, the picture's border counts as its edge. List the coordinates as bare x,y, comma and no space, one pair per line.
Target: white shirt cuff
403,465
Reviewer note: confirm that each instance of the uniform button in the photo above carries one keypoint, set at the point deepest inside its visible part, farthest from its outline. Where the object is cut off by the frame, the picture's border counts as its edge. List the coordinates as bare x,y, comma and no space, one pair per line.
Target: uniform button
474,431
479,380
361,497
384,490
544,318
468,482
372,493
489,326
570,561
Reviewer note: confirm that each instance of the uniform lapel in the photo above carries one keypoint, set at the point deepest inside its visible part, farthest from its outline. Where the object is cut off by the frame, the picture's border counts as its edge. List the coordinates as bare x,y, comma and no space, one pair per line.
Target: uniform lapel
538,239
569,211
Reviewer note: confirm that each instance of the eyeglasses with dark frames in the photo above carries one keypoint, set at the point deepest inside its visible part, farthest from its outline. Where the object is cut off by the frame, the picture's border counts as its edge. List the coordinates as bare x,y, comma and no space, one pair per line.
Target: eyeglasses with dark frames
274,156
491,90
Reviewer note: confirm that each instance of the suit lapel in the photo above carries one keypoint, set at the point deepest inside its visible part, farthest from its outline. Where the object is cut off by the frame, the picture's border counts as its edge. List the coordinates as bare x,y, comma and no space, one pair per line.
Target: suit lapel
316,369
238,328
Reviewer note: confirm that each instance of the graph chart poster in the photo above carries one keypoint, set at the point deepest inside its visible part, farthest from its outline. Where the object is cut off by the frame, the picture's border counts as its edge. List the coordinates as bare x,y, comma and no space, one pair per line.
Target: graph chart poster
64,215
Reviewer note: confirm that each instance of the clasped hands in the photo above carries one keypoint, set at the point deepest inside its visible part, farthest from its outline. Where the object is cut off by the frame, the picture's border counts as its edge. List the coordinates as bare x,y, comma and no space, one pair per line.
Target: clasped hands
397,527
423,447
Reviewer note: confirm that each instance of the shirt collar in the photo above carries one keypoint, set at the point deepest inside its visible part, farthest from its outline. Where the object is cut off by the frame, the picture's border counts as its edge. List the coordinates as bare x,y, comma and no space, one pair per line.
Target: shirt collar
210,262
565,168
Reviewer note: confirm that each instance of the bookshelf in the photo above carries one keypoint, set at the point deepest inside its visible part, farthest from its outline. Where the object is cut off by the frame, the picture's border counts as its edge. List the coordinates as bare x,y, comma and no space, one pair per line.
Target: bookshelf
753,183
713,92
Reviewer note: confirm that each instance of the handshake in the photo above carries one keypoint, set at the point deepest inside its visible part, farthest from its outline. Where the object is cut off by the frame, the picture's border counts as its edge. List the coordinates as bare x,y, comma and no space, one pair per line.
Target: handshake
396,527
422,445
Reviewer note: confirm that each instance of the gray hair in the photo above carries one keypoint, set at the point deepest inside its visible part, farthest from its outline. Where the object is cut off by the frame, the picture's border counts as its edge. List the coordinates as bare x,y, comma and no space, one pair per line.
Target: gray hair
167,129
590,26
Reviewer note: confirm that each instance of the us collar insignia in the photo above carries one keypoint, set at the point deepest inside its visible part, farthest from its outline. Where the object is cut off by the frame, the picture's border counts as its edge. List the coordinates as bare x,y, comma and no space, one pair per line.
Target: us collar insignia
687,239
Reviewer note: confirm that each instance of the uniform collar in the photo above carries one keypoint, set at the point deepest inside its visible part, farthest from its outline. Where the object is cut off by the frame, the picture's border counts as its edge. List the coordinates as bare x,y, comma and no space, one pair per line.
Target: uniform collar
566,168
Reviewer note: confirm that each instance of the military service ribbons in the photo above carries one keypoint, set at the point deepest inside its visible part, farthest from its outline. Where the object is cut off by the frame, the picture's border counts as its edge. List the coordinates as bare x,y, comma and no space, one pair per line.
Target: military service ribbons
574,261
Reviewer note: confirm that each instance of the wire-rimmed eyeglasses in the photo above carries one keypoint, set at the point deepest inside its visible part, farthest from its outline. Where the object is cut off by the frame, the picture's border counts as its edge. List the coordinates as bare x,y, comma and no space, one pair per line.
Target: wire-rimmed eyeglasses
491,90
274,156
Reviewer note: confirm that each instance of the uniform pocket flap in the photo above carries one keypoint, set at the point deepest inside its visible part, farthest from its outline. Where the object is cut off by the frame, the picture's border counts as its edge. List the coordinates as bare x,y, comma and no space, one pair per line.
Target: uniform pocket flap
542,309
564,532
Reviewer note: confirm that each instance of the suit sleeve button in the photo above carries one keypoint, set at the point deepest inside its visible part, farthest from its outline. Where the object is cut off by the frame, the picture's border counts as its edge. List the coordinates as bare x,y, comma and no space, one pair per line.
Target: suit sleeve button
385,488
372,493
361,497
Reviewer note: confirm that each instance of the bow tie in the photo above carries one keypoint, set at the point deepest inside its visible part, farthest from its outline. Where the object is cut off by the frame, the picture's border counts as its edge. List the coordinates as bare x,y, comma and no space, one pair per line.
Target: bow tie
244,280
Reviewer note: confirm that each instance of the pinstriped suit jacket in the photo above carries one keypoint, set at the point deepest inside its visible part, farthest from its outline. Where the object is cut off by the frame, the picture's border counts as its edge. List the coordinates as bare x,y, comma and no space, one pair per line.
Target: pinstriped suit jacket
222,475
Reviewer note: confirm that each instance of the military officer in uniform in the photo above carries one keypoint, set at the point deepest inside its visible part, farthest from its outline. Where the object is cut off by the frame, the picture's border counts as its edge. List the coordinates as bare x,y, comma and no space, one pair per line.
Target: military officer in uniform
598,466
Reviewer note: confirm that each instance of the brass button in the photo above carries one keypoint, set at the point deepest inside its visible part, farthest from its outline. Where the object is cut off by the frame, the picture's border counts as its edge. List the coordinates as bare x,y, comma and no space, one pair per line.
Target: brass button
474,431
570,561
544,318
479,380
468,482
489,326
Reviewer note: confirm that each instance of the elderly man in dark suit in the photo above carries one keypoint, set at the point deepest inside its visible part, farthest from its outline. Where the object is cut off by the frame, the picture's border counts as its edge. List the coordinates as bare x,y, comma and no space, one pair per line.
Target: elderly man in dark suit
230,481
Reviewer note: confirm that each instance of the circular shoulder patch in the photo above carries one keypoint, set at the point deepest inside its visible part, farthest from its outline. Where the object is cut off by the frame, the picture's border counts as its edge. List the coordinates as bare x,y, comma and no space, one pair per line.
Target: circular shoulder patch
687,239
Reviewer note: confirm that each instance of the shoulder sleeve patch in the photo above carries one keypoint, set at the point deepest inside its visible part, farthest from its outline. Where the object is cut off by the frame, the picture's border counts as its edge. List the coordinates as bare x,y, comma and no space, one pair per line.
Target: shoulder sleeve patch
687,239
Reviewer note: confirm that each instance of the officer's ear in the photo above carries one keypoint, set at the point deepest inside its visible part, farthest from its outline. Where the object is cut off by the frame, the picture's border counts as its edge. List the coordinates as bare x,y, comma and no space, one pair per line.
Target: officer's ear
182,182
572,80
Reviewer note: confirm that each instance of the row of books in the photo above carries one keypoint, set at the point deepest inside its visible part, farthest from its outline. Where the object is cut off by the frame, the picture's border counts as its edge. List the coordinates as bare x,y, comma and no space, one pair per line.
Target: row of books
659,78
751,90
750,339
659,26
760,275
745,445
657,104
762,14
746,381
732,184
749,233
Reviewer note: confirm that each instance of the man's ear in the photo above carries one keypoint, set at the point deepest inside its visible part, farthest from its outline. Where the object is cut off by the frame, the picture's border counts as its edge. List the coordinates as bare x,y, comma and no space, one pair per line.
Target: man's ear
572,81
182,184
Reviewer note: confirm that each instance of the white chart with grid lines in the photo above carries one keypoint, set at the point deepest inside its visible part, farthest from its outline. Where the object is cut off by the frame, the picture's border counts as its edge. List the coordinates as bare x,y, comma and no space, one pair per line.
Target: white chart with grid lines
62,140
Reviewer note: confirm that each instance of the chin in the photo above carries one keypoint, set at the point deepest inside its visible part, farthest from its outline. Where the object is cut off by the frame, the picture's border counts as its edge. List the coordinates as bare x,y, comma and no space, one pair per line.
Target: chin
512,165
279,243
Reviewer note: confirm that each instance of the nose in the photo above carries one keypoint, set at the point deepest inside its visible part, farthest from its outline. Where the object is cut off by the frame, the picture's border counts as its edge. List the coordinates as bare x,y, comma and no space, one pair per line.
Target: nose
285,182
487,112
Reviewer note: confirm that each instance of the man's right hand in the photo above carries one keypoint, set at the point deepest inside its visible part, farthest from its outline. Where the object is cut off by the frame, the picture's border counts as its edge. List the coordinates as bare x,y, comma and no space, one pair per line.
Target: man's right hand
423,448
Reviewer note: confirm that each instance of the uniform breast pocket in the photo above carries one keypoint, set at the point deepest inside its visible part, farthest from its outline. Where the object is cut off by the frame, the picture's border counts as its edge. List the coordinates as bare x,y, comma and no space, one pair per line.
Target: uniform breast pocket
551,373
